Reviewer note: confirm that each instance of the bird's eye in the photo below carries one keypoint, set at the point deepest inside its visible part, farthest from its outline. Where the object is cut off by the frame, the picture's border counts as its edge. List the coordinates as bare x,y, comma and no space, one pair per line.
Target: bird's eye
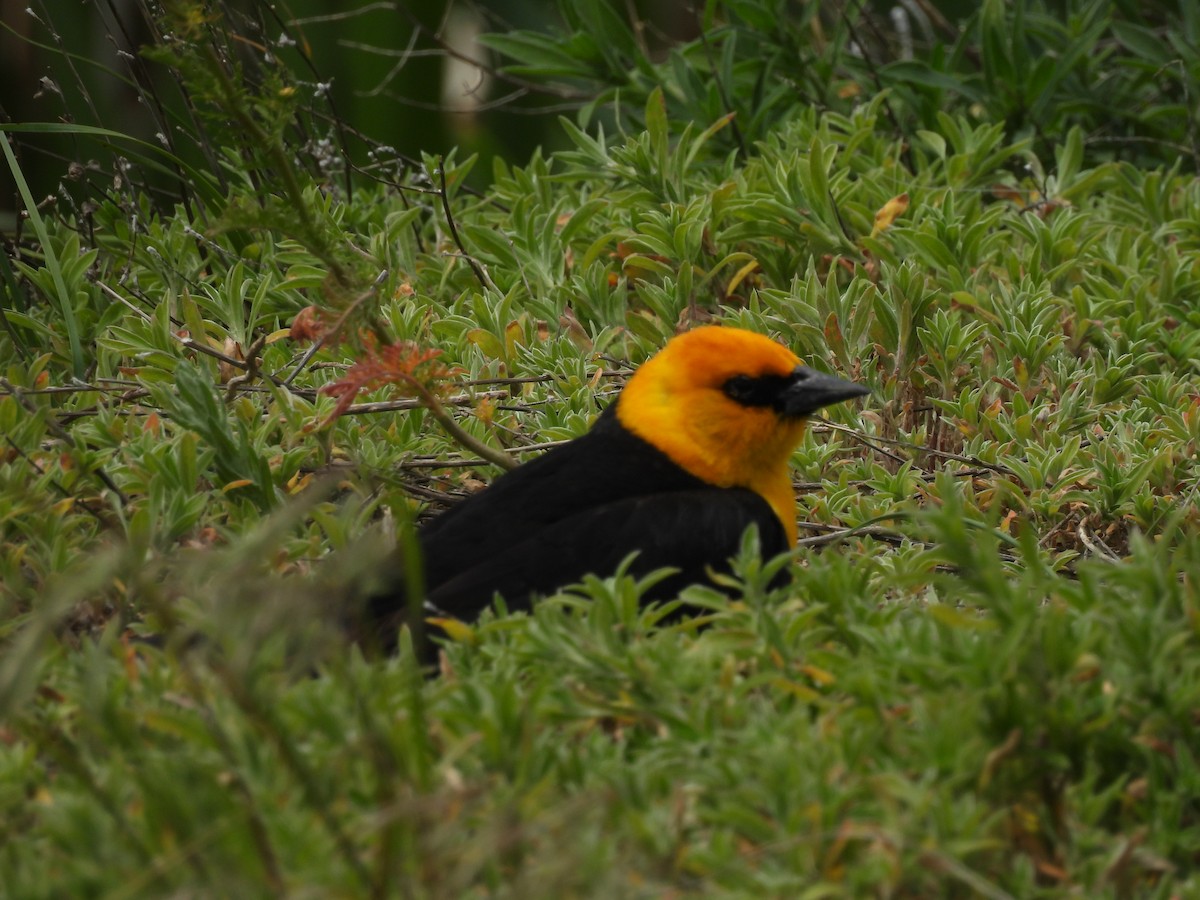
739,388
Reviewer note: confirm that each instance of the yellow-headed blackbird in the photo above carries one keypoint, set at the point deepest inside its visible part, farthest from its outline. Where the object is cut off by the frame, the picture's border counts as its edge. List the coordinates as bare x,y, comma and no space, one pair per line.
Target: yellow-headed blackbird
694,450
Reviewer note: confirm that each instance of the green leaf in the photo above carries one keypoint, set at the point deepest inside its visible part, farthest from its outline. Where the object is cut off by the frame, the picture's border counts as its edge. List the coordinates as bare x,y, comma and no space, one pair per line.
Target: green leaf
64,299
908,72
656,123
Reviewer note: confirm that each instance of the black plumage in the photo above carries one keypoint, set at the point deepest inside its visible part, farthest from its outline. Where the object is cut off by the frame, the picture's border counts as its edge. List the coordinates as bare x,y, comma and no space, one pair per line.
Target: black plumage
579,508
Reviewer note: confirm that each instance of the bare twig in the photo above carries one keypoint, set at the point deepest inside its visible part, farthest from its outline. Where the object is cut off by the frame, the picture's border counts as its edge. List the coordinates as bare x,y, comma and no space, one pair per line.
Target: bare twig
411,403
429,462
494,456
480,275
835,533
252,372
869,440
1095,543
863,439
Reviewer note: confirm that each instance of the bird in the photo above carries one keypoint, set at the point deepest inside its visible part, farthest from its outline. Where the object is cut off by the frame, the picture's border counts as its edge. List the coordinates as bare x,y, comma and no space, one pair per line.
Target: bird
693,451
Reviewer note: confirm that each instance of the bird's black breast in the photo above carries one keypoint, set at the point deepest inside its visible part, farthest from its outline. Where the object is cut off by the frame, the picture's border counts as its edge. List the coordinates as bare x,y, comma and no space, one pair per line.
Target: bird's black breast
582,508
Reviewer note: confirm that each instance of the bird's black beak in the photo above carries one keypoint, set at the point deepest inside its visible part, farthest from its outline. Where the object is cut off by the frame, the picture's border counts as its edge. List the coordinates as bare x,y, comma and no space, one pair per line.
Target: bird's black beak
809,390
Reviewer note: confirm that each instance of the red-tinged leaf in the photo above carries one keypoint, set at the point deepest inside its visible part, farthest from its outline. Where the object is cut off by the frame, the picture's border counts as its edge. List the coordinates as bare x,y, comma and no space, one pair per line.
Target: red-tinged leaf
1013,195
833,335
129,659
1051,870
1008,383
309,324
403,364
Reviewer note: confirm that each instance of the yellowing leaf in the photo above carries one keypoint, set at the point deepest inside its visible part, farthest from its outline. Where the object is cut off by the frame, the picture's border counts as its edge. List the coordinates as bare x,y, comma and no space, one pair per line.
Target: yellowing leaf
234,485
297,483
1011,744
740,276
803,691
487,342
1021,371
820,676
889,212
512,337
457,631
951,617
485,410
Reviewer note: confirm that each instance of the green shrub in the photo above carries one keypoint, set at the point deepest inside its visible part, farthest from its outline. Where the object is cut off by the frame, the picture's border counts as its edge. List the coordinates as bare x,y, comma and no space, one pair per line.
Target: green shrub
982,681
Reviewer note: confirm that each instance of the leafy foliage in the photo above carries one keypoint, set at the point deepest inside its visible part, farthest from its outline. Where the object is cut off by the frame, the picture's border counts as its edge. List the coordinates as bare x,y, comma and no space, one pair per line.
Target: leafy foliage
983,680
1033,68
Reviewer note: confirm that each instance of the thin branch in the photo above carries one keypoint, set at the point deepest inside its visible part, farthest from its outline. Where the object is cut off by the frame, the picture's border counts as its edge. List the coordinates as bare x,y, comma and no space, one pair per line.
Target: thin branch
480,275
411,403
429,462
868,440
864,440
836,533
1095,543
252,362
460,436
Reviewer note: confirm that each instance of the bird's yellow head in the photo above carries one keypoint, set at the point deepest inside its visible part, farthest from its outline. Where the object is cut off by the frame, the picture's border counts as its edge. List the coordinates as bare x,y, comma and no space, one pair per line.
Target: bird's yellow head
729,406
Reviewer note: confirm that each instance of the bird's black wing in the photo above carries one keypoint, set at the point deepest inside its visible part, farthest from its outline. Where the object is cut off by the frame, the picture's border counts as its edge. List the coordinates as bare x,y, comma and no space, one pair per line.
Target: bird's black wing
605,465
688,530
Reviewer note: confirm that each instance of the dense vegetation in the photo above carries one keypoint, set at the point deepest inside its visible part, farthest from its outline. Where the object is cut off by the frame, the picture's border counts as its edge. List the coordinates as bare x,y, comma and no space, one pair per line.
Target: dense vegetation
985,680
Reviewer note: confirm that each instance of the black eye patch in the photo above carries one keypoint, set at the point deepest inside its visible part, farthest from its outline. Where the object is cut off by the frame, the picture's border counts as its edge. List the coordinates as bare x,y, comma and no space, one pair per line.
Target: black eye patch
763,391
